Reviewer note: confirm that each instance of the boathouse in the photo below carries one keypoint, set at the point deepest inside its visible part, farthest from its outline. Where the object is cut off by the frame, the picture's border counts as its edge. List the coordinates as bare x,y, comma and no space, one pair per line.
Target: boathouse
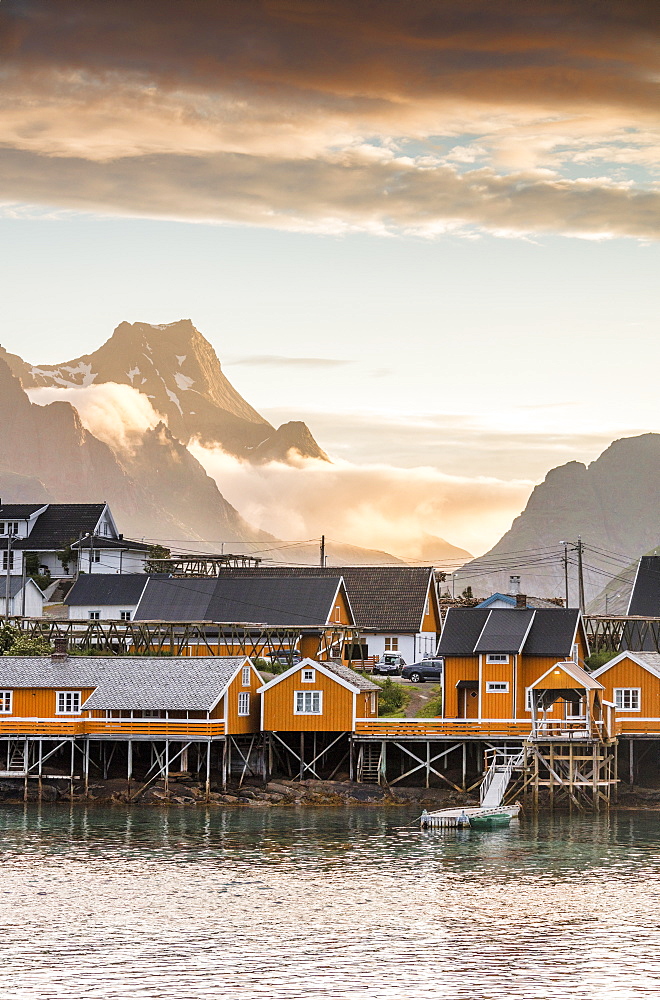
309,713
135,717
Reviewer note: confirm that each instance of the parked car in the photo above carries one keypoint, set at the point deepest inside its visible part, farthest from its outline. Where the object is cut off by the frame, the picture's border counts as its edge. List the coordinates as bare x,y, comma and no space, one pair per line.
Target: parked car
389,663
425,670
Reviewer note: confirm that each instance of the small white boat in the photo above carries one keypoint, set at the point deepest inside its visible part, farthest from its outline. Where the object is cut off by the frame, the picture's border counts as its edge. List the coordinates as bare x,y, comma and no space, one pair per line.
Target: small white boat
463,816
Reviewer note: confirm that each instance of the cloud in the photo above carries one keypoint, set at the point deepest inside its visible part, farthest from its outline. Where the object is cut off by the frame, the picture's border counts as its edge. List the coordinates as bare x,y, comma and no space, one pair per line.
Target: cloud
116,414
379,116
377,505
281,360
348,192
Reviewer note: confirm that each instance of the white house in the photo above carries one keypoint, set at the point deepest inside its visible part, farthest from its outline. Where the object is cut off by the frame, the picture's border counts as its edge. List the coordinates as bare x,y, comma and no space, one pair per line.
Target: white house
52,538
104,597
25,598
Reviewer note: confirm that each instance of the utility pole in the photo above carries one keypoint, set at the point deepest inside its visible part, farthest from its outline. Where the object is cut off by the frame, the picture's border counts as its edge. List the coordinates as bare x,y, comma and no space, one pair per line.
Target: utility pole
10,538
91,550
322,550
580,548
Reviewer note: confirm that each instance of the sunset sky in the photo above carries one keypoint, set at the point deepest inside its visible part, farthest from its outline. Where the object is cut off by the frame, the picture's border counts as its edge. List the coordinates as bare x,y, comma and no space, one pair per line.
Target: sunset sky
429,229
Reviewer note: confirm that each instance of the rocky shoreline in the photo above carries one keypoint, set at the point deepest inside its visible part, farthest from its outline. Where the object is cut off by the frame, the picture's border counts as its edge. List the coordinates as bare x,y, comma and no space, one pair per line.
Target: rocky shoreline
188,791
185,791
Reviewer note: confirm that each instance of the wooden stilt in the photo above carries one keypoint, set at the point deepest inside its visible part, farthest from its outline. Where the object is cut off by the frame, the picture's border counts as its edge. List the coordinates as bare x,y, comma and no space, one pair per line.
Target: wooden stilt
167,767
464,777
85,765
129,765
41,768
207,787
631,763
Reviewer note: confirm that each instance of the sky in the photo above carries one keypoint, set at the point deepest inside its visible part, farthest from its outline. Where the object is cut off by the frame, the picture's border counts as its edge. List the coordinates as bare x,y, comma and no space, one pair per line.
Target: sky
427,229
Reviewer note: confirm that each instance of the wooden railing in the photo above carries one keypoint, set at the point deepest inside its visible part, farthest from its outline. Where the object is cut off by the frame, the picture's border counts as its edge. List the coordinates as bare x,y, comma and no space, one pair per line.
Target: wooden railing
156,728
440,727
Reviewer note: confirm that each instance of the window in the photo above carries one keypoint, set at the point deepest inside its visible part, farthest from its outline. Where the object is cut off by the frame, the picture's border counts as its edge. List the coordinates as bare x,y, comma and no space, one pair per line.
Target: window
308,676
94,616
497,687
528,699
68,703
307,702
627,699
151,713
497,658
245,676
96,555
372,698
106,528
392,644
125,616
11,560
337,614
575,653
243,702
5,702
9,528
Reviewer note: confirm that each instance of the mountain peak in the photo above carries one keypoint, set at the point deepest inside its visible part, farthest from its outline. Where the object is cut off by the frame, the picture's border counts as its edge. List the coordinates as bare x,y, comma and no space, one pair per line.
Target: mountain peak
178,370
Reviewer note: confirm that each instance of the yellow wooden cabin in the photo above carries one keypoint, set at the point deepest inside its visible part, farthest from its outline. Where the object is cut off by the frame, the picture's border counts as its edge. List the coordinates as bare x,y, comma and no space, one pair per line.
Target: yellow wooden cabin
632,683
57,705
492,657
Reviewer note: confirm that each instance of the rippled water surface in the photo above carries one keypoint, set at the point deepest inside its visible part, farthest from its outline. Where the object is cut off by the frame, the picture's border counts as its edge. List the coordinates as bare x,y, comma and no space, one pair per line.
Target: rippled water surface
141,903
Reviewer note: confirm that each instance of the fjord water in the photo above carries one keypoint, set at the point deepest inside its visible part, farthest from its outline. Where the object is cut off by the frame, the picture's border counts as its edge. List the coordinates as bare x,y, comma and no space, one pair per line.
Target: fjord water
289,903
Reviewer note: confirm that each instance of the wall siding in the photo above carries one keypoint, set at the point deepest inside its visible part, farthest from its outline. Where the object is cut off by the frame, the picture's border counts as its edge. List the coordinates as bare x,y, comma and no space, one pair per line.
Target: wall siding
337,714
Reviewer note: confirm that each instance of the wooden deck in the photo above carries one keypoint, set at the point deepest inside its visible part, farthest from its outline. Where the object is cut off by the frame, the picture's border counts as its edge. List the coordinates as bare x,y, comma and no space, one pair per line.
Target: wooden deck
115,728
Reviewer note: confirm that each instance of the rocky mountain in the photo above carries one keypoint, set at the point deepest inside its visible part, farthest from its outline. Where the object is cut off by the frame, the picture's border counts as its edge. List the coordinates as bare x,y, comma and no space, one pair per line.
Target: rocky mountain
158,490
178,370
611,503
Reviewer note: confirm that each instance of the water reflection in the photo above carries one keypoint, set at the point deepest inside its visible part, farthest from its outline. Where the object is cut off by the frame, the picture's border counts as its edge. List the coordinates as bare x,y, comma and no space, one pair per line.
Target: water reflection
284,903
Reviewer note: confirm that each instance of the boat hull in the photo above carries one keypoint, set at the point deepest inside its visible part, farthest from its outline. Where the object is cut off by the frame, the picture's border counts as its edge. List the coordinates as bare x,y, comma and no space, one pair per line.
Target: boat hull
463,817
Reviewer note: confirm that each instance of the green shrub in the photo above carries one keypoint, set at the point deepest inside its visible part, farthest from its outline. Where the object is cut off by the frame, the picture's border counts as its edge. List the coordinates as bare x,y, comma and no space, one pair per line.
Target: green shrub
600,658
433,706
23,645
8,636
393,698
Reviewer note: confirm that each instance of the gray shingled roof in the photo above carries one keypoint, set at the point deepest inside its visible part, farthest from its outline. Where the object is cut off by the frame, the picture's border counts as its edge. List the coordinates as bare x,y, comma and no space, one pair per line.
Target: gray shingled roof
346,674
383,598
264,600
143,683
107,589
59,526
551,633
18,511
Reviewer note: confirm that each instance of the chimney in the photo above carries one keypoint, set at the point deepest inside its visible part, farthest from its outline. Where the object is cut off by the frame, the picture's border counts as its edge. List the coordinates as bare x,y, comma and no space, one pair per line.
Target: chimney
60,652
521,600
514,585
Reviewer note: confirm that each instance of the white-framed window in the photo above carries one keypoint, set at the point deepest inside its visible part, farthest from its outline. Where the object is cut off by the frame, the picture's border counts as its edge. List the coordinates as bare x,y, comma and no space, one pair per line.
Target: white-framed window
11,559
96,555
372,698
106,528
627,699
497,687
497,658
124,616
68,703
94,616
308,676
243,702
245,676
151,713
391,644
307,702
575,652
337,613
5,702
575,709
528,699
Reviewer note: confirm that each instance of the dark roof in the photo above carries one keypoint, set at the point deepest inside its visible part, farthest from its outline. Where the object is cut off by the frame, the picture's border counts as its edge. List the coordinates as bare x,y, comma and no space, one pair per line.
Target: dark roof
103,542
18,511
264,600
461,631
551,632
503,631
530,602
383,598
107,589
645,596
59,526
